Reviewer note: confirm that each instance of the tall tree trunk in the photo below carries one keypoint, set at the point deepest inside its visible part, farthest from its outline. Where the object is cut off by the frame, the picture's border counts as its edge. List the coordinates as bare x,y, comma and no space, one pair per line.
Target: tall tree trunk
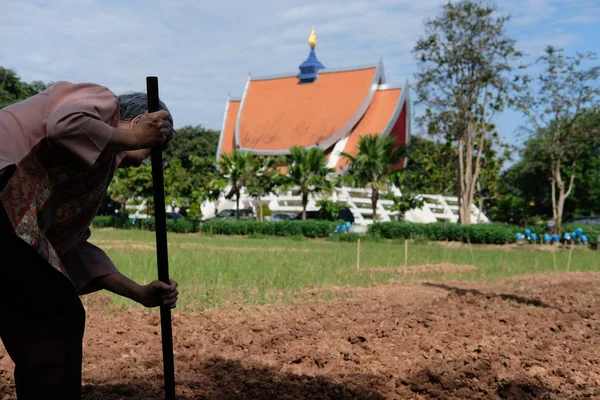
558,204
462,189
237,205
374,198
304,203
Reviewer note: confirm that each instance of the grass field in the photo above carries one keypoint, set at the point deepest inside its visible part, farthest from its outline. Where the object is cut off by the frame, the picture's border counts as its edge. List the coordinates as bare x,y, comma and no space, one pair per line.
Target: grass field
219,271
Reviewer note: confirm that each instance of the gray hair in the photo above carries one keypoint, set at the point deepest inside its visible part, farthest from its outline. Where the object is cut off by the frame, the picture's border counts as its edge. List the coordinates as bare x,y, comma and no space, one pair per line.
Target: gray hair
136,103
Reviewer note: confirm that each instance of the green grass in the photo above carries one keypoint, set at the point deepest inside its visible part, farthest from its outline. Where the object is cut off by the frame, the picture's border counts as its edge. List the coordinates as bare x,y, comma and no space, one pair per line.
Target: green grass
219,271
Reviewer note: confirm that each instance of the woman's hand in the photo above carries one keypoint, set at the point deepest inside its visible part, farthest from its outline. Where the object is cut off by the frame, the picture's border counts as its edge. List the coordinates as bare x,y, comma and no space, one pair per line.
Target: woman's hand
158,293
151,129
143,132
153,294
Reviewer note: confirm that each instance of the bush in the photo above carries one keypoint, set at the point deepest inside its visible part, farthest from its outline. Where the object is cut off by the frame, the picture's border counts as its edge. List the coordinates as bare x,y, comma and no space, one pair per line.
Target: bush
310,229
102,222
112,222
442,231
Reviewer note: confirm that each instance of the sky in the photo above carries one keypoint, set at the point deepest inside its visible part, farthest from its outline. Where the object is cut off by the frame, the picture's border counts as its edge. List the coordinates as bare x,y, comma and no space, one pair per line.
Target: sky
203,50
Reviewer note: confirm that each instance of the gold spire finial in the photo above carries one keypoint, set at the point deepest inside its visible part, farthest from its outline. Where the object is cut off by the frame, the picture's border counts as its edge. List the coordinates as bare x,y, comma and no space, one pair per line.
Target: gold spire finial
312,40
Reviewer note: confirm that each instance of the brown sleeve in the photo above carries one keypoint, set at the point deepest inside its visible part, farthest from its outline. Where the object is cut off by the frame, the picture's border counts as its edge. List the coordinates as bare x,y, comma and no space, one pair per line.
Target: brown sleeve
85,262
82,125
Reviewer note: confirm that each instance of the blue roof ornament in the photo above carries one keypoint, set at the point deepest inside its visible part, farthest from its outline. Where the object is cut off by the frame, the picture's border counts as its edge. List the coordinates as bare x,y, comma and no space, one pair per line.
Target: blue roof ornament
309,68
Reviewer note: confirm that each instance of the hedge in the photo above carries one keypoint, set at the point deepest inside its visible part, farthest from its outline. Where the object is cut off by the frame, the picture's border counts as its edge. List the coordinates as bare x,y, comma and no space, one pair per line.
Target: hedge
310,228
441,231
173,225
478,233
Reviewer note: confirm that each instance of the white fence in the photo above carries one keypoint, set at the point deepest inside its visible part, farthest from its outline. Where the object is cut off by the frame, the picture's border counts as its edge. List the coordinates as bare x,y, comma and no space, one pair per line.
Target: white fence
435,208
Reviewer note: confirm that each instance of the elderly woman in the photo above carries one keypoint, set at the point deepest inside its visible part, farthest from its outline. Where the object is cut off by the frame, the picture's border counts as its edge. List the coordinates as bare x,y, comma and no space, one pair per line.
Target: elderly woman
58,153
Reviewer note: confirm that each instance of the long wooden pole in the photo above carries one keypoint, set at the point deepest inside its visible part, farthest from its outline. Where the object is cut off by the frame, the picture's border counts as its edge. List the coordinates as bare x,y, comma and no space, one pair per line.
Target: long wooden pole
162,254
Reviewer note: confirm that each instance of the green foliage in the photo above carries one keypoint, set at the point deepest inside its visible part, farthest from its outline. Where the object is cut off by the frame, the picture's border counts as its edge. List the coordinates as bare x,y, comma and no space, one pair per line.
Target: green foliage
192,141
310,229
402,204
376,158
12,90
527,193
465,61
237,168
112,222
179,225
265,179
103,222
328,209
307,168
265,210
477,234
564,120
431,169
129,183
480,233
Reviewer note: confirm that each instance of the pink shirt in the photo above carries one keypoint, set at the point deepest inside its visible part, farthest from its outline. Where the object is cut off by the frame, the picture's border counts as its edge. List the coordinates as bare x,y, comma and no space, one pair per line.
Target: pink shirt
55,142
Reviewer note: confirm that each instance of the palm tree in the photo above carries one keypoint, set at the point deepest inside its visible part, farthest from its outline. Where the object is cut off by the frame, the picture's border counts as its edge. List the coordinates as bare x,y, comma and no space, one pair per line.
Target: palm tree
266,178
308,169
375,159
237,168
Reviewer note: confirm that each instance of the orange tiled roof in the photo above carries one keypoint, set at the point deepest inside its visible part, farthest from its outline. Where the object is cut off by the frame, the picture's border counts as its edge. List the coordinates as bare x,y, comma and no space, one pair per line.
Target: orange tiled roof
279,113
227,144
333,111
375,120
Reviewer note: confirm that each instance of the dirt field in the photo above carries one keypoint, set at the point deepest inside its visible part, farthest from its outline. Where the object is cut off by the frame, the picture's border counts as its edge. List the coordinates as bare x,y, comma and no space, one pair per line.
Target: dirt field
536,338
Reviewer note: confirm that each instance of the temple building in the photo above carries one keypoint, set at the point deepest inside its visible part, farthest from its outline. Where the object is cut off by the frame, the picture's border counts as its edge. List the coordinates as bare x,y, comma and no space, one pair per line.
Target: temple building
331,109
316,106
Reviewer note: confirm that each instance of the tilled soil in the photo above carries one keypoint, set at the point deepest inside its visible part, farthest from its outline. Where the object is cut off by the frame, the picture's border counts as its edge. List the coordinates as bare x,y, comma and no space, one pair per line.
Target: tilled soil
534,338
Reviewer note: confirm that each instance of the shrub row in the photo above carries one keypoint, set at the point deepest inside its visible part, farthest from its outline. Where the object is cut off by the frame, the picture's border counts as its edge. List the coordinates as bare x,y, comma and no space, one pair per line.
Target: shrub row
173,225
310,228
481,233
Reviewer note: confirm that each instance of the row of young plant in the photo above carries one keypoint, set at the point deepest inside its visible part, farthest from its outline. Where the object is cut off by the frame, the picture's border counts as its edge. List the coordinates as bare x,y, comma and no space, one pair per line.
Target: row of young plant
476,234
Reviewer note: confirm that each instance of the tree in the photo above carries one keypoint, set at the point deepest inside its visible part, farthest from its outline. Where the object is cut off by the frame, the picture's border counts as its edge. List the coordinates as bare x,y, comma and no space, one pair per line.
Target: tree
12,90
402,204
129,183
375,159
491,165
464,65
307,168
265,180
237,169
525,180
192,141
431,168
563,117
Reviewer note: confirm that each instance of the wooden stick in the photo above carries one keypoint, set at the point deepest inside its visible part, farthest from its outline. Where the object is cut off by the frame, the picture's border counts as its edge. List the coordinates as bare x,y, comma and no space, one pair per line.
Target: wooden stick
554,256
405,252
158,187
358,255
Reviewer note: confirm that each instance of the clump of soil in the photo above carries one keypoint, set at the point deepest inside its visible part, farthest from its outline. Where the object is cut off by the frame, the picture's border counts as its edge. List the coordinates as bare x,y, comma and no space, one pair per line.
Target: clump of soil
533,338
